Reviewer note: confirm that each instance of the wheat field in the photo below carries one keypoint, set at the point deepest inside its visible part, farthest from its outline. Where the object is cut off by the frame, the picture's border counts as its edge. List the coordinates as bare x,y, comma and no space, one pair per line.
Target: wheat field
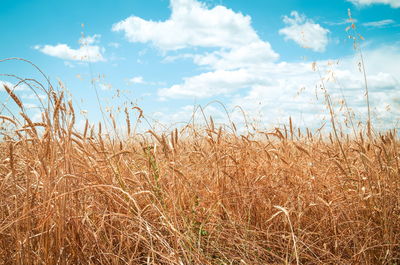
195,194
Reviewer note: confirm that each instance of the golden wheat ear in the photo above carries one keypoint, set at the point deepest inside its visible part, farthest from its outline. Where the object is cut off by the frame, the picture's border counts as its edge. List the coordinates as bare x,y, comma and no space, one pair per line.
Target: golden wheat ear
13,96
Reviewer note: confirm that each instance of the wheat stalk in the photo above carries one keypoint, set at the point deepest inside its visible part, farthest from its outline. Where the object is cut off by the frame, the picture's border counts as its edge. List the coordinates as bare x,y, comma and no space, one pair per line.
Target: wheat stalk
14,97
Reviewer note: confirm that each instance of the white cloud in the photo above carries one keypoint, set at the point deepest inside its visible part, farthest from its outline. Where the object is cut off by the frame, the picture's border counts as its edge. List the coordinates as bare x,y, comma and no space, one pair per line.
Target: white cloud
87,52
136,80
139,80
191,24
211,84
392,3
305,32
173,58
247,55
379,24
63,51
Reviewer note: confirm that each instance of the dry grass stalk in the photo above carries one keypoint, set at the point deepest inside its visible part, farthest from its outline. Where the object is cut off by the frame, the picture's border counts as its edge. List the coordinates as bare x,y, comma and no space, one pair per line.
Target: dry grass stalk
57,108
14,97
291,128
30,124
85,130
212,127
8,119
158,138
72,121
12,160
302,149
35,124
128,122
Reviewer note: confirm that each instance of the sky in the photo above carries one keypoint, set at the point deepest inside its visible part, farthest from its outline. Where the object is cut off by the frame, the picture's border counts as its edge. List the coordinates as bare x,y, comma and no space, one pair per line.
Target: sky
267,59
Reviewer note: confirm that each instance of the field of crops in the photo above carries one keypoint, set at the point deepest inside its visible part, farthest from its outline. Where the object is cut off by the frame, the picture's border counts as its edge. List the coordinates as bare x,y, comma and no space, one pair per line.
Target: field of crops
194,195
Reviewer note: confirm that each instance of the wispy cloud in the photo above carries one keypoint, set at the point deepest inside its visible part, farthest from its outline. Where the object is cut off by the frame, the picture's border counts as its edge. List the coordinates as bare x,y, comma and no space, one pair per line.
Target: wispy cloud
89,40
34,96
114,44
30,105
136,80
379,24
392,3
69,64
105,86
305,32
343,22
139,80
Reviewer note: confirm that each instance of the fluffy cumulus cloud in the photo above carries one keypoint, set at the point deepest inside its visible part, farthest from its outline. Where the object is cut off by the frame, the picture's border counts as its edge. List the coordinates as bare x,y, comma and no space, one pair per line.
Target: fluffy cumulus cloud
244,56
226,82
191,24
392,3
87,51
212,84
305,32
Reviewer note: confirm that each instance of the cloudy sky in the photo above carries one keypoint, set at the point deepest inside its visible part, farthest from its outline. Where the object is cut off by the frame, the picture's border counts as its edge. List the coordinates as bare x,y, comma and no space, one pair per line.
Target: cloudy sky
267,57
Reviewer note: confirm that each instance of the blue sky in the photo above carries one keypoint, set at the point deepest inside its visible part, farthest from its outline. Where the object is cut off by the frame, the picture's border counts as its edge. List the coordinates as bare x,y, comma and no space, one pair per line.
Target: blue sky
165,56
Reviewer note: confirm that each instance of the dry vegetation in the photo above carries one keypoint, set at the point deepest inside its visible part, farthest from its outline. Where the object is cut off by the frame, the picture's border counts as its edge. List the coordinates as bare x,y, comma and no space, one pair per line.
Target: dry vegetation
194,196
